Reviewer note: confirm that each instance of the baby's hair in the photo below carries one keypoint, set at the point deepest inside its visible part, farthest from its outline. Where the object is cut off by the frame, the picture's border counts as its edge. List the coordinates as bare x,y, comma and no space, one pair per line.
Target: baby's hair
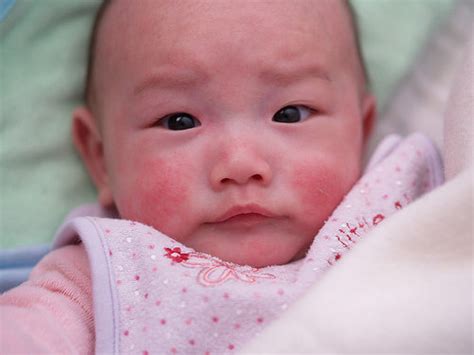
356,30
88,89
89,86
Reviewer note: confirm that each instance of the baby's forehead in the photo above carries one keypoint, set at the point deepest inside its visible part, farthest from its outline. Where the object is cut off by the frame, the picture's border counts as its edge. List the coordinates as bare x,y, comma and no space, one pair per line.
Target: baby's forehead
125,14
221,19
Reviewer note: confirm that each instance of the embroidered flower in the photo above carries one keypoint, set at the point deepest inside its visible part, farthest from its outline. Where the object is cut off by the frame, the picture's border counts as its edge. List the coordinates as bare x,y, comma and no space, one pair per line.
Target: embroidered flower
176,255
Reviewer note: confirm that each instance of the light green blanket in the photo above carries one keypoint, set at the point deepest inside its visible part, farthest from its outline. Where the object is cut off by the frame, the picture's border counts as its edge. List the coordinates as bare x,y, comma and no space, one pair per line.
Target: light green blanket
42,64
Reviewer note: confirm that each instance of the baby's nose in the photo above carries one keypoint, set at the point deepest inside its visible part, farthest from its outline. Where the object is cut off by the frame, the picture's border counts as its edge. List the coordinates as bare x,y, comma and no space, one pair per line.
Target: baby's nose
240,166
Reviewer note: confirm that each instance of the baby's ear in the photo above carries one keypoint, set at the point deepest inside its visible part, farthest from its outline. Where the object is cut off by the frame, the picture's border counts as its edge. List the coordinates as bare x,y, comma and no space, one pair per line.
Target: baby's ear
369,114
89,143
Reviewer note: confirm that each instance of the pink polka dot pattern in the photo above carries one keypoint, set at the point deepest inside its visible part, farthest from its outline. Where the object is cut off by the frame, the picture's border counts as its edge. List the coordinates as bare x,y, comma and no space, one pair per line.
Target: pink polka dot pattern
170,299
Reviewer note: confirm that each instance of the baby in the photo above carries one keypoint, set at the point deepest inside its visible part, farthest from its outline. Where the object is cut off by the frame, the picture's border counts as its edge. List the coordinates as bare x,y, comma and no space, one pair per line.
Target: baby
223,134
235,127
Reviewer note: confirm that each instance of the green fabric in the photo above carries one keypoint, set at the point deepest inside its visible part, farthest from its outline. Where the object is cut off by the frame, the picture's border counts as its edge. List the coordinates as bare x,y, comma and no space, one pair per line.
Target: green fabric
393,32
42,51
42,64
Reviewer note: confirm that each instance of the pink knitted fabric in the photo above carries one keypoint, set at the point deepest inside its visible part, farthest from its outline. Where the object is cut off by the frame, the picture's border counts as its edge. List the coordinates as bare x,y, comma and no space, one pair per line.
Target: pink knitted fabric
52,312
155,295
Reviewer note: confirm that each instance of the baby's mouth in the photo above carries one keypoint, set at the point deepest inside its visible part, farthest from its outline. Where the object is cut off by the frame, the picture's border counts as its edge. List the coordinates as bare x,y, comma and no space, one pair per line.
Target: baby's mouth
248,215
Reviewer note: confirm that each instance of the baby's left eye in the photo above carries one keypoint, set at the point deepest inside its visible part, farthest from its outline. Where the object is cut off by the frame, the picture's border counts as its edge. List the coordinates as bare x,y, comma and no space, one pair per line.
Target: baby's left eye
292,114
179,121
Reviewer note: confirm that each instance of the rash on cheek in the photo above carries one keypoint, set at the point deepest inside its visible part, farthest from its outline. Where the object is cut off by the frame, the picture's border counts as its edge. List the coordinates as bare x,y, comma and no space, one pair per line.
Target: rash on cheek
158,195
320,187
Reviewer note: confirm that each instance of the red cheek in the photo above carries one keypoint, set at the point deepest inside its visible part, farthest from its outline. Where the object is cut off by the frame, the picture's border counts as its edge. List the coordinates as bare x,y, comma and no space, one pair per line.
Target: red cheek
320,187
159,195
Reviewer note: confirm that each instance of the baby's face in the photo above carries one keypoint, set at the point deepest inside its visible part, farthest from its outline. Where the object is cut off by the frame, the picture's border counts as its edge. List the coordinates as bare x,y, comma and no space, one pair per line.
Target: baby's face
235,127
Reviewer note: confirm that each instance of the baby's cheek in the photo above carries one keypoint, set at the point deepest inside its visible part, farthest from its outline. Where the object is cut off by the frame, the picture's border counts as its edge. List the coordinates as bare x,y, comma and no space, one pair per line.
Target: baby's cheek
159,195
320,187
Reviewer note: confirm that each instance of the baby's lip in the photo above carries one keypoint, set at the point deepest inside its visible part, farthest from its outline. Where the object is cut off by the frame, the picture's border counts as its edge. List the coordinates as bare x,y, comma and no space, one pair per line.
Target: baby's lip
248,210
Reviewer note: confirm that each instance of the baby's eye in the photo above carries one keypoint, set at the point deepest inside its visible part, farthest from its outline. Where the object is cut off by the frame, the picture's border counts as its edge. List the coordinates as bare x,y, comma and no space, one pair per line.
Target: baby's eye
179,121
291,114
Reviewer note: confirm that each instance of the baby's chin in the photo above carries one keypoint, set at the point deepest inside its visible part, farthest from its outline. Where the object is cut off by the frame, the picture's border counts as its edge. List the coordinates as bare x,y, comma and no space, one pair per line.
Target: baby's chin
255,251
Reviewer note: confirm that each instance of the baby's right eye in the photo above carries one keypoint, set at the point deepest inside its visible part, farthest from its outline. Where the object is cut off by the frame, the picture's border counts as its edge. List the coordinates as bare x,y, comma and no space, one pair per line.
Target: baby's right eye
179,121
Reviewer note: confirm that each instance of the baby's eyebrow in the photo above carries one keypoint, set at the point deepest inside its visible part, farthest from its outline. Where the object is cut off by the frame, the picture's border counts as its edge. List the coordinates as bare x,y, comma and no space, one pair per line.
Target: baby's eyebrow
180,80
167,80
286,76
